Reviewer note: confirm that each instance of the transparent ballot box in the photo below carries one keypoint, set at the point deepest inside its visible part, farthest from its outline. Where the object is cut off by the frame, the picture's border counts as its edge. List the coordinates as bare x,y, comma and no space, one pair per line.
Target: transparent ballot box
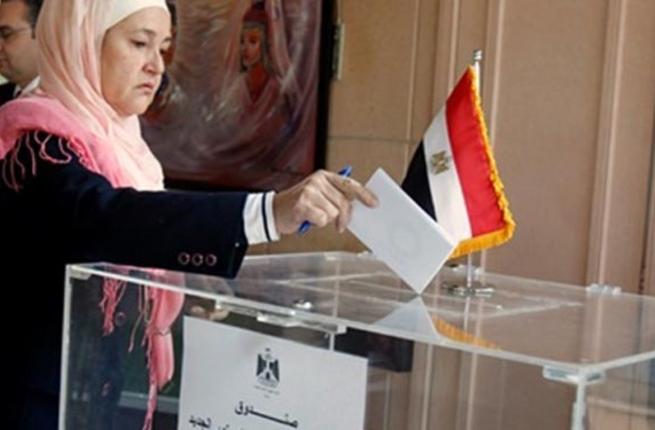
337,341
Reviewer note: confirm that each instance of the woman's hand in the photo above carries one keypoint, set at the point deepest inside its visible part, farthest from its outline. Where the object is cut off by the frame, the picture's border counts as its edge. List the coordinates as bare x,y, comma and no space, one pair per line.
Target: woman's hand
320,198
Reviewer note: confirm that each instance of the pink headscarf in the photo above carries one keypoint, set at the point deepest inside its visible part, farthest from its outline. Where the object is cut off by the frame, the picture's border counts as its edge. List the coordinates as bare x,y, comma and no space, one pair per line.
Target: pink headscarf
70,104
70,35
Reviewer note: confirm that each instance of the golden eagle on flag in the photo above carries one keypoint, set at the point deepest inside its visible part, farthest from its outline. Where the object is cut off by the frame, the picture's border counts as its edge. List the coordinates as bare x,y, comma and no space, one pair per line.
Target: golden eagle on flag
453,175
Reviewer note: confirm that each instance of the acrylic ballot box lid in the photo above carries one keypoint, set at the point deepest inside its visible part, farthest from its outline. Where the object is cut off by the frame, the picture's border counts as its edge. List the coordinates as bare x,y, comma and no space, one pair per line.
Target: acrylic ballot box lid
575,333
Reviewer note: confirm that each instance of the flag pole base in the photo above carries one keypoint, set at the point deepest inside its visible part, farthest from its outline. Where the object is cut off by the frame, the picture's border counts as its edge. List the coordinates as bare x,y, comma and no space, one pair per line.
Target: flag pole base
475,289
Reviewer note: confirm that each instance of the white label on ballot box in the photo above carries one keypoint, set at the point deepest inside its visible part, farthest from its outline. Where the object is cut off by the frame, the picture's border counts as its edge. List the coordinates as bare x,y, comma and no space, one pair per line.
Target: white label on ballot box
235,379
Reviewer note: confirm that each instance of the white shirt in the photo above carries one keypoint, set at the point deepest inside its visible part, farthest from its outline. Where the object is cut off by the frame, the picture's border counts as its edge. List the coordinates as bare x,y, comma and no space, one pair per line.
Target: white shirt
28,88
258,220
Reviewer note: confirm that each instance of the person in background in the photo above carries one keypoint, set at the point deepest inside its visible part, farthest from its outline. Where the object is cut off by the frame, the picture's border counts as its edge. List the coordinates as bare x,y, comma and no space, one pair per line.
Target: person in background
79,184
18,47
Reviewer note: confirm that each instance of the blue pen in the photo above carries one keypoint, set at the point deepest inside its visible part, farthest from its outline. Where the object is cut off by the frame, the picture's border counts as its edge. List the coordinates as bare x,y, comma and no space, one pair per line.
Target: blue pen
305,226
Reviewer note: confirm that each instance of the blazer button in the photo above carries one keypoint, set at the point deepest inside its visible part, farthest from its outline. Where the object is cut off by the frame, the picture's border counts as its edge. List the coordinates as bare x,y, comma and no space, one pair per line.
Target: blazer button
183,258
197,260
211,260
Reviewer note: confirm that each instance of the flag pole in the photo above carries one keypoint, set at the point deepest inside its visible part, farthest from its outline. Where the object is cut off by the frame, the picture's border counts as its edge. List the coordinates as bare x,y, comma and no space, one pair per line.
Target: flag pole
472,288
477,60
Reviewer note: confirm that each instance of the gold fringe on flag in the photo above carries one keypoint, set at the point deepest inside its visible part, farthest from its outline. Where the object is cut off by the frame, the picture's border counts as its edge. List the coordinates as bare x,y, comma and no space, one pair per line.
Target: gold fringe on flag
501,236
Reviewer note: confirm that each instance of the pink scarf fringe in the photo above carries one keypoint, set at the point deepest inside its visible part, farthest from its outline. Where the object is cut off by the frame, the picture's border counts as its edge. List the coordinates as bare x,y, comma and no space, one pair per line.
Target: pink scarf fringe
158,340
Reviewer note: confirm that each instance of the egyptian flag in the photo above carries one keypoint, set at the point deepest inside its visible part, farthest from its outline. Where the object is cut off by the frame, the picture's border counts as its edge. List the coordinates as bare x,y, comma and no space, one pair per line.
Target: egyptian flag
453,175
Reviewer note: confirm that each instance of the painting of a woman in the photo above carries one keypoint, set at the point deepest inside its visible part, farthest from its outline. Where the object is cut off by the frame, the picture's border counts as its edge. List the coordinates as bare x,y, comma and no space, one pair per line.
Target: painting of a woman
243,93
255,57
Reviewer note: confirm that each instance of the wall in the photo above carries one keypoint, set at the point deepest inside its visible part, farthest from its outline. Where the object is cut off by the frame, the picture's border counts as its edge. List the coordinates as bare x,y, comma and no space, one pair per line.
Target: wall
577,167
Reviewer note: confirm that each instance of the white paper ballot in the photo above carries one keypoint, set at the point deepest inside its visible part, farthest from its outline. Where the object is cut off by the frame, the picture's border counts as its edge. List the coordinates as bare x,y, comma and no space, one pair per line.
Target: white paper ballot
400,233
236,379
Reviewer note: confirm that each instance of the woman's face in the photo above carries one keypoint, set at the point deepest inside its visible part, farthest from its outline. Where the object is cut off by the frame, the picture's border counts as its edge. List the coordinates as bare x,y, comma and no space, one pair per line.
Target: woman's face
131,60
251,46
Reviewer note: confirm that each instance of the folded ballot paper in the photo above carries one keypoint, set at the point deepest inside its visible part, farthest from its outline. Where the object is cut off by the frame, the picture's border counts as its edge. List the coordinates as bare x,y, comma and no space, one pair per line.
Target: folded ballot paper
401,234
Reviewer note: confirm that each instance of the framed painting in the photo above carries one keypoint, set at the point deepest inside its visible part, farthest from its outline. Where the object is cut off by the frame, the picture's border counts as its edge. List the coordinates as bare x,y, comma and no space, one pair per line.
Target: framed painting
244,101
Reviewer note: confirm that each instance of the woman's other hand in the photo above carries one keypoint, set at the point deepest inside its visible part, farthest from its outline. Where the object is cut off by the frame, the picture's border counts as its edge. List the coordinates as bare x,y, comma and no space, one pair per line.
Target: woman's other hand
321,198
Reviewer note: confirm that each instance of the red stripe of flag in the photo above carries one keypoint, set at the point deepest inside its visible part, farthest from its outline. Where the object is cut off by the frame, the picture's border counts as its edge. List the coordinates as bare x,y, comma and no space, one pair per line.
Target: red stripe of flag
471,160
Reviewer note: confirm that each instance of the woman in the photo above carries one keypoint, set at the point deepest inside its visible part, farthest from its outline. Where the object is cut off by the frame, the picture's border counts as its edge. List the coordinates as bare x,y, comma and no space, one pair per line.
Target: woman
262,98
255,57
78,183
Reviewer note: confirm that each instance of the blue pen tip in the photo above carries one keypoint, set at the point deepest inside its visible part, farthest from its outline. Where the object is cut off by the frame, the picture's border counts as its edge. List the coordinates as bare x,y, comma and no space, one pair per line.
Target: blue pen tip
346,171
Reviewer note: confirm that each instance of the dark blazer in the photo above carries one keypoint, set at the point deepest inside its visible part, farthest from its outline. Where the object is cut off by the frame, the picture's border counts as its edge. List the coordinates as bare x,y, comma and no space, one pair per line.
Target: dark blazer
7,92
64,213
